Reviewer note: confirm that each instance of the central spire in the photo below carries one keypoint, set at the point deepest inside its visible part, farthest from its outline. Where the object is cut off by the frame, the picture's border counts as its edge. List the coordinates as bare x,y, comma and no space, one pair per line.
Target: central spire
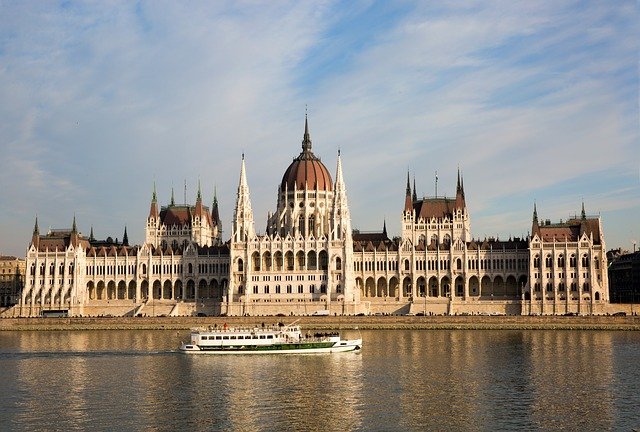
306,140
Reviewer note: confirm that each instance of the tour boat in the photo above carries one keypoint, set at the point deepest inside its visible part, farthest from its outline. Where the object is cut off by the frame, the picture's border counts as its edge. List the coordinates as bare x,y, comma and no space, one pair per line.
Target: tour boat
279,339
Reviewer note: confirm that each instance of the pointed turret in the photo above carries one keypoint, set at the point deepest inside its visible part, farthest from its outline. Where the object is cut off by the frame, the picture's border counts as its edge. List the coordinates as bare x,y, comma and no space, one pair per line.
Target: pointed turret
75,237
415,191
173,201
408,203
460,203
153,211
215,212
125,237
384,228
341,218
35,237
91,237
243,227
535,227
583,214
199,210
306,139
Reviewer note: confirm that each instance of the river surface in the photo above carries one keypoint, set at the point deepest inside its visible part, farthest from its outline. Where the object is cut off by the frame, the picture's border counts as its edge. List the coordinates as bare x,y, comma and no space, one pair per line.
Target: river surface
402,380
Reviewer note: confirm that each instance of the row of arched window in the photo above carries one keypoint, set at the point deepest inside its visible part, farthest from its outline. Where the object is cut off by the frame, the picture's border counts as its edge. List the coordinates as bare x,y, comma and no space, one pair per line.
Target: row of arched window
560,261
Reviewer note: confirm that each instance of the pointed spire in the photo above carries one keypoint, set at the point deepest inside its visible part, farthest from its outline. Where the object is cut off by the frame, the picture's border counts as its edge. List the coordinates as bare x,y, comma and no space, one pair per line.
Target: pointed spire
215,213
199,196
408,203
458,185
408,193
535,213
153,210
306,140
125,237
384,228
74,228
583,214
35,238
91,237
415,193
173,200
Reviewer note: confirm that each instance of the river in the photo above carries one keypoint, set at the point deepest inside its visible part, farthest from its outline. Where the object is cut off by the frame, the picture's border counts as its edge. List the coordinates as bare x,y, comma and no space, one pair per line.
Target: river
401,380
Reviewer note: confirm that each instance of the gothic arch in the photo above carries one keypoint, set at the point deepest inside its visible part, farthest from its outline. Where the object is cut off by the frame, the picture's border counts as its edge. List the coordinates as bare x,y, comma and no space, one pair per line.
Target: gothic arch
111,290
445,286
486,286
177,290
157,290
381,290
122,290
166,290
393,287
144,290
433,286
131,292
474,286
370,287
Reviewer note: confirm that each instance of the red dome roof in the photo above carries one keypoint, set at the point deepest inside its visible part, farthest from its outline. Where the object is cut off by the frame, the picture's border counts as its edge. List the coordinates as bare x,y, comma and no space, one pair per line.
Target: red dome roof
306,174
306,171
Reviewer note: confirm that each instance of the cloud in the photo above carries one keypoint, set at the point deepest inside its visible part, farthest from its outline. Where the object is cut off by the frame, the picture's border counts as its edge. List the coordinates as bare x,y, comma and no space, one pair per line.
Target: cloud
101,100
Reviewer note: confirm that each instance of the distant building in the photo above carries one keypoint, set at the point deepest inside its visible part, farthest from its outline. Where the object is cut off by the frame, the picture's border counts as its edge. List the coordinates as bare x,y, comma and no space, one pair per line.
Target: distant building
309,259
624,278
11,279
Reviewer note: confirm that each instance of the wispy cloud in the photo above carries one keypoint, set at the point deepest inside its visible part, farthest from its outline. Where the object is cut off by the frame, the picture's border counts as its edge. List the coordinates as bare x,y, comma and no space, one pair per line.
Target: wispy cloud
527,98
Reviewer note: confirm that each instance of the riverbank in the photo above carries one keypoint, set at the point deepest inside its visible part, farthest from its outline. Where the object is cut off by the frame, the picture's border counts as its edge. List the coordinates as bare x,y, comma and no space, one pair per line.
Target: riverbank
332,323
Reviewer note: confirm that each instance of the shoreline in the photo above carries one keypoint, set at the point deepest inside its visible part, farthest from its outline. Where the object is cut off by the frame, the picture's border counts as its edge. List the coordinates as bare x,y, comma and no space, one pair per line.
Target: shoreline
626,323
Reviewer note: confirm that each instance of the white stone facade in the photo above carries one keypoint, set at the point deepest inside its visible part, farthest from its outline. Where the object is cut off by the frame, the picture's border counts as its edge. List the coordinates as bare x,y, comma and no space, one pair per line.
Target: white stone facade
309,259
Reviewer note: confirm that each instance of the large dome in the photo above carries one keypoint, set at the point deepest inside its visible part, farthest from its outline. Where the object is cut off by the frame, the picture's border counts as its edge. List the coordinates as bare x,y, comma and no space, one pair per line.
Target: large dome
306,171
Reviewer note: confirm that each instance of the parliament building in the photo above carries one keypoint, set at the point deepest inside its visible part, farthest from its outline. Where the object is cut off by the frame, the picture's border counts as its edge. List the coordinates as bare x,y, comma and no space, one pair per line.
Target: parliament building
310,259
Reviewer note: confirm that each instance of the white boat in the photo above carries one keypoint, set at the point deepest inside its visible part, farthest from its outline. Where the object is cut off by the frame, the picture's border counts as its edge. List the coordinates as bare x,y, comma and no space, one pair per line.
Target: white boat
280,339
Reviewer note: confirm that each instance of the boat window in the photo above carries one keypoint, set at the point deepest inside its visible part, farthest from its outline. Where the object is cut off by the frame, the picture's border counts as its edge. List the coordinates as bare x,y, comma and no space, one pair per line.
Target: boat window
233,337
225,337
218,337
269,336
262,336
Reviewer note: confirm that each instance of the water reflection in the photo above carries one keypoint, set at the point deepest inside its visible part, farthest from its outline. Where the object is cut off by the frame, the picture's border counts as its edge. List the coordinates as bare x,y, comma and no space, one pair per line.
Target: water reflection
572,379
402,380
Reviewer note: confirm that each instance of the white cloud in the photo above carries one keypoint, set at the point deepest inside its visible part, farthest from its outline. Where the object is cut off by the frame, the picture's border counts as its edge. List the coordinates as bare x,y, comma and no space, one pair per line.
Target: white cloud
99,100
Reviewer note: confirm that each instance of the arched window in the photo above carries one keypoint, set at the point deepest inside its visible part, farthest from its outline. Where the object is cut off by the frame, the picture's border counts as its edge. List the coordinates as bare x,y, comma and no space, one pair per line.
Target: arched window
255,257
312,224
338,263
190,268
406,265
561,261
572,261
240,265
547,261
585,261
536,261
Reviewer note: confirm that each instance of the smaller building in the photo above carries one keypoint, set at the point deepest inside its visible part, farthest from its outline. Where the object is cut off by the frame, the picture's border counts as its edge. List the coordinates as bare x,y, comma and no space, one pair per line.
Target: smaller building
624,278
11,279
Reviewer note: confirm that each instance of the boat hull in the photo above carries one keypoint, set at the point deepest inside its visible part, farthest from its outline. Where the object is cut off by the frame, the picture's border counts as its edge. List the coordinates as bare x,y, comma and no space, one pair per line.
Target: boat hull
297,348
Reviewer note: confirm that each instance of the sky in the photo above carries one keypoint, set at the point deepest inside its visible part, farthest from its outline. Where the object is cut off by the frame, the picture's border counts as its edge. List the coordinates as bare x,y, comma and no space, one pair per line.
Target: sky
534,102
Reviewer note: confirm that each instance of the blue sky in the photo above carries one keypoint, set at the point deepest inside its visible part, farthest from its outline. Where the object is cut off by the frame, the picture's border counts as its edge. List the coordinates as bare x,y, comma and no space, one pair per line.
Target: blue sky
534,101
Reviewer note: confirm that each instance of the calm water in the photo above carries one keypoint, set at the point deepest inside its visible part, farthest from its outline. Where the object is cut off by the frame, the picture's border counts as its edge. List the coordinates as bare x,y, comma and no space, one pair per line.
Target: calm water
402,380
